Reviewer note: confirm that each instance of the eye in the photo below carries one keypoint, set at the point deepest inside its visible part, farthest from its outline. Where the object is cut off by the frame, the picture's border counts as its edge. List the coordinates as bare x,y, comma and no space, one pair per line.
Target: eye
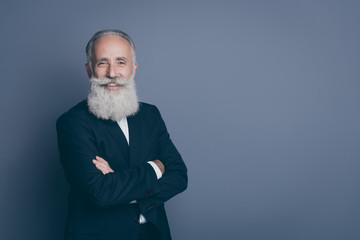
101,64
121,63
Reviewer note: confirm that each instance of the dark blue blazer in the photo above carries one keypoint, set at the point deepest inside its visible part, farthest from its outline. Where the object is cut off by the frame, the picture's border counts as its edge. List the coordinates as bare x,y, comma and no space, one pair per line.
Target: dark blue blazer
98,205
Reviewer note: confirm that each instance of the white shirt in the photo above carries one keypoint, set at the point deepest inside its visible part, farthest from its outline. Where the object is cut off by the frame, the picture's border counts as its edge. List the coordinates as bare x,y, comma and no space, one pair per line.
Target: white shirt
123,124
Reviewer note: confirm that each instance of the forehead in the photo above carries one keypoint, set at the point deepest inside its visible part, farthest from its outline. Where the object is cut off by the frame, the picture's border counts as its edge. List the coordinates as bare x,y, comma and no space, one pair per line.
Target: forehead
112,46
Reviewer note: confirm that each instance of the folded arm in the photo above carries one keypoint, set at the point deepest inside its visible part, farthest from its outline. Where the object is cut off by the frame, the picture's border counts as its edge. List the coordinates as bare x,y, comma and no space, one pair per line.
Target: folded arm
174,180
78,148
105,168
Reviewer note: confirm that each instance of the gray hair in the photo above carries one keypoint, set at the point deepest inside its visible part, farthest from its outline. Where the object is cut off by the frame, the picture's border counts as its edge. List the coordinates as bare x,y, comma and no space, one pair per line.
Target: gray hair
102,33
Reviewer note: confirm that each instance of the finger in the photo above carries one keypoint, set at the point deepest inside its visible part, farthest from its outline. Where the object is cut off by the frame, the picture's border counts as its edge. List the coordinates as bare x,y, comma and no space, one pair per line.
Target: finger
102,165
97,162
100,159
100,162
104,172
103,162
105,168
99,165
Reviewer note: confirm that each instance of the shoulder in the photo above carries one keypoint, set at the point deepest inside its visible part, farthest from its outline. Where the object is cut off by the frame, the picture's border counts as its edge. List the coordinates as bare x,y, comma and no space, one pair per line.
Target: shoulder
147,110
143,106
77,114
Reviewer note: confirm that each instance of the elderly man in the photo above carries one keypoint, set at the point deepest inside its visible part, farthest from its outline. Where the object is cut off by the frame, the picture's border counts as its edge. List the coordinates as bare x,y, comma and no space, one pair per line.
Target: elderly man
116,152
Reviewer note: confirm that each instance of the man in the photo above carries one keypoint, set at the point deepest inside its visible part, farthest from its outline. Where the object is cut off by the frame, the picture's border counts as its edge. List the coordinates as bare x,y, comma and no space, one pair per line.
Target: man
116,152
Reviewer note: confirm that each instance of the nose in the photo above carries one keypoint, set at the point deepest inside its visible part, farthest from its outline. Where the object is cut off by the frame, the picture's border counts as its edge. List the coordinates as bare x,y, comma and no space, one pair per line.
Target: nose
110,72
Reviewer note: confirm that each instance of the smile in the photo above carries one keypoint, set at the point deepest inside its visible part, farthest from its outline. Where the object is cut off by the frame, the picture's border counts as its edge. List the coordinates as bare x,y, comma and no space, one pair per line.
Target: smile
111,86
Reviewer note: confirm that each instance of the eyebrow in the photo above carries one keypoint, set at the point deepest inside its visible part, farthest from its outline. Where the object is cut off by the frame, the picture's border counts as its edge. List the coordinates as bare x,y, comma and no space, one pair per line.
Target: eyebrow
106,59
122,59
101,59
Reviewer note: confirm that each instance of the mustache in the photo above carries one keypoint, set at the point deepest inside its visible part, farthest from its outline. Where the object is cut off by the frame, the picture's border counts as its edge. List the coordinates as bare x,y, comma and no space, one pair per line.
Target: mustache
105,81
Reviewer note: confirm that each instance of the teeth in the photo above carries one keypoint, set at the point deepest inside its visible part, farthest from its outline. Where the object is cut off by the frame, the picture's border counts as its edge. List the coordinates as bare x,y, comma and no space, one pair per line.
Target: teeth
112,84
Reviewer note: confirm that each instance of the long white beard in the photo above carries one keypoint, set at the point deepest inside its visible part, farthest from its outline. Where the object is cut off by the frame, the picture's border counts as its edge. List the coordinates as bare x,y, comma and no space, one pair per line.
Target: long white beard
112,104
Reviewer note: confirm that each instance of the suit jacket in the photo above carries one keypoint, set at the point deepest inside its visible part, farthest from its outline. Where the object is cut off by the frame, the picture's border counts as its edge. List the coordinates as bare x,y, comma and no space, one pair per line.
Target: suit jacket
98,205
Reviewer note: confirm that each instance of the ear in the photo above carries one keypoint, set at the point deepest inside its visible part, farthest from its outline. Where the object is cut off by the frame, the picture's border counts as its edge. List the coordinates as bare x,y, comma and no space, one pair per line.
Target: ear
88,70
134,68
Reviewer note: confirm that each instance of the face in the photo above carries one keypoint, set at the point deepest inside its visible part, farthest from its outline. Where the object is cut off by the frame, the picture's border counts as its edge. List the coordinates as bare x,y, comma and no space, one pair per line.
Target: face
112,57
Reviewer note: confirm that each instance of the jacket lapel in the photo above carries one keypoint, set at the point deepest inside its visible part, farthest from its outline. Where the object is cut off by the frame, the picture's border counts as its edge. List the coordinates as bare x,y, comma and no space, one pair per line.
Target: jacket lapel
118,136
135,129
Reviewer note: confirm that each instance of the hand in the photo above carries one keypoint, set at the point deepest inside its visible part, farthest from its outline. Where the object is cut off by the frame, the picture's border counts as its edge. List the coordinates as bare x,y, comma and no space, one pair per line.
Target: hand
160,166
102,165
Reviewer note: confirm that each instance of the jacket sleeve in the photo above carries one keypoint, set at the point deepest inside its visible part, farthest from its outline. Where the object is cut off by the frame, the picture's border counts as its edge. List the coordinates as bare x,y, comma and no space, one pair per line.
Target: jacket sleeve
174,180
77,147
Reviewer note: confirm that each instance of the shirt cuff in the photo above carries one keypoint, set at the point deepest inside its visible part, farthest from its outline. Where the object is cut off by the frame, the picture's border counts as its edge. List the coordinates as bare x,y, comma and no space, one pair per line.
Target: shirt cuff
156,169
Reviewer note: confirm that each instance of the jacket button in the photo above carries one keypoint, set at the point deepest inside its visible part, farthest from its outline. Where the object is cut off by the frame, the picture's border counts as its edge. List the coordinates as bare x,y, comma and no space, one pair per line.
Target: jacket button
151,206
148,192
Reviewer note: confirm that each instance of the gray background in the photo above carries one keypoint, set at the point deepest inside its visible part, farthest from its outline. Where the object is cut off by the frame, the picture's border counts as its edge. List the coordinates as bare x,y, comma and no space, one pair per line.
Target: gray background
260,97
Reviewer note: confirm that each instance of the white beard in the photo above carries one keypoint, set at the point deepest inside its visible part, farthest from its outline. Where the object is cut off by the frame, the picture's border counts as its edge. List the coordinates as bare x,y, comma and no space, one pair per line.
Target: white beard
112,104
